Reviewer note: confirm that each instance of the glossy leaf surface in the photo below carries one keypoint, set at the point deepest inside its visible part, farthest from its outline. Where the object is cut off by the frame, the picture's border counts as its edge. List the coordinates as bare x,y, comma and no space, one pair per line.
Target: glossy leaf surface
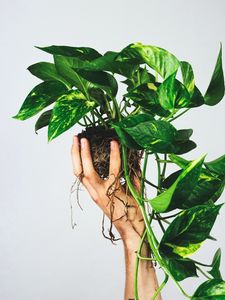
159,59
67,111
47,71
175,196
43,120
40,97
213,289
215,271
81,52
189,230
173,94
216,89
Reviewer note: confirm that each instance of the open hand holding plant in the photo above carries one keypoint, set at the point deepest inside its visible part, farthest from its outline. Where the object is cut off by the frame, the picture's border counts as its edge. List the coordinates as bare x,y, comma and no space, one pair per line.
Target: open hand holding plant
82,86
120,208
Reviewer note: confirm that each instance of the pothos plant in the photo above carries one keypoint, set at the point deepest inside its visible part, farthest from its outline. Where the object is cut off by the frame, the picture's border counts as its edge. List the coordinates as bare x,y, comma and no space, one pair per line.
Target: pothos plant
82,85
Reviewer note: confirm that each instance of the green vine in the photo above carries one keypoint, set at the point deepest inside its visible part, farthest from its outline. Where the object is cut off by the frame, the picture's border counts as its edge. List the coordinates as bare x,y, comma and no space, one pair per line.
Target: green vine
143,121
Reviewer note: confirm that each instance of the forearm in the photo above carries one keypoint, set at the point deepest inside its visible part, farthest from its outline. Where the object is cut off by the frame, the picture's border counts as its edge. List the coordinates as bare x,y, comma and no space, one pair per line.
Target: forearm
147,280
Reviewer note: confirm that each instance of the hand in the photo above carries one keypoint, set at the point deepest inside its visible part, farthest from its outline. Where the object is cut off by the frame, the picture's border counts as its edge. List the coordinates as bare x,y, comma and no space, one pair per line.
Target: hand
108,194
122,209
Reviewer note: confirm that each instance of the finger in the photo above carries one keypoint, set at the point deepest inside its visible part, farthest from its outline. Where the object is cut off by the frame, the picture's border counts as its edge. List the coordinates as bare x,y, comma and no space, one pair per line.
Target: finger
87,163
76,159
115,159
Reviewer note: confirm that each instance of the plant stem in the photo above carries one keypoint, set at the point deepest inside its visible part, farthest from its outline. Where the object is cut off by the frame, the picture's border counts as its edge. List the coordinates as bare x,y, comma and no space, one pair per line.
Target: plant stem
171,216
98,115
201,264
179,114
137,267
143,174
203,273
134,112
152,184
164,167
116,107
160,287
160,223
108,106
150,234
159,172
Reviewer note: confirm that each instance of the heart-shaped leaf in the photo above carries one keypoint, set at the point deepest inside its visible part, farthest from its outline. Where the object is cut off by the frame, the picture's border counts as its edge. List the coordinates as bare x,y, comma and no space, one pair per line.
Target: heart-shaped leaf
175,196
149,133
81,52
130,121
173,94
159,59
189,230
47,71
208,188
107,62
213,289
148,99
180,269
67,111
216,89
40,97
64,69
100,79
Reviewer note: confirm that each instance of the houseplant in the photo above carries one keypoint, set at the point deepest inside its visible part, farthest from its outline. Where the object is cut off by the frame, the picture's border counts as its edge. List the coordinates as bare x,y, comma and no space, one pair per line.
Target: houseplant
82,86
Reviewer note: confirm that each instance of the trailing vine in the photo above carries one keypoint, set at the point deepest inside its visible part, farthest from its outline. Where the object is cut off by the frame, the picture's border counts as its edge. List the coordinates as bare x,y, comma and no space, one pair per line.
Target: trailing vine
82,87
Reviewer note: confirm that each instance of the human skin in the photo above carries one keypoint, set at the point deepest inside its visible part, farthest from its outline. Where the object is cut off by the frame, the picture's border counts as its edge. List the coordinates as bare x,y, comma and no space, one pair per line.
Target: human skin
130,227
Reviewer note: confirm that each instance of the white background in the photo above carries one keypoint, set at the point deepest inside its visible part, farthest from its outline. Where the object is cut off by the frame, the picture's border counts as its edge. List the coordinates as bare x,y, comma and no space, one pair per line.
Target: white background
41,257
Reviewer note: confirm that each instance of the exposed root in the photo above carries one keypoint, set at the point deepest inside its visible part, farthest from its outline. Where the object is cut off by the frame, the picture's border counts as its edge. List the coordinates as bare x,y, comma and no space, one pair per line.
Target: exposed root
75,187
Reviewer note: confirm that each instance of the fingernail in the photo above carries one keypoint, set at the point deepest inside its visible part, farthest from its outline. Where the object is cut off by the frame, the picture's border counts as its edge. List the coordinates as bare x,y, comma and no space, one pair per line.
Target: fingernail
83,143
112,144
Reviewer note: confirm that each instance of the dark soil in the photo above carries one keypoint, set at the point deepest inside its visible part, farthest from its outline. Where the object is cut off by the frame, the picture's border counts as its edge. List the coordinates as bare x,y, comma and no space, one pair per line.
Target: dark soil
99,139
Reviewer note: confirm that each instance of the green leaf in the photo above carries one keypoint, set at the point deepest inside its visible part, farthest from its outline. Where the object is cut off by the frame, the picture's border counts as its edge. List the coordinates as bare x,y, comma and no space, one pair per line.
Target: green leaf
107,62
148,99
176,194
197,99
181,142
125,138
46,71
81,52
183,134
180,269
173,94
63,68
40,97
189,230
188,76
209,186
180,161
100,79
215,271
149,133
67,111
217,166
159,59
215,91
213,289
43,120
141,76
130,121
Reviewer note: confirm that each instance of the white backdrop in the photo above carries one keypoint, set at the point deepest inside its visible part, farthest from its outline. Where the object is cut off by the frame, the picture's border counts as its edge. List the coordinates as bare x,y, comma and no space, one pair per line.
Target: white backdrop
41,257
